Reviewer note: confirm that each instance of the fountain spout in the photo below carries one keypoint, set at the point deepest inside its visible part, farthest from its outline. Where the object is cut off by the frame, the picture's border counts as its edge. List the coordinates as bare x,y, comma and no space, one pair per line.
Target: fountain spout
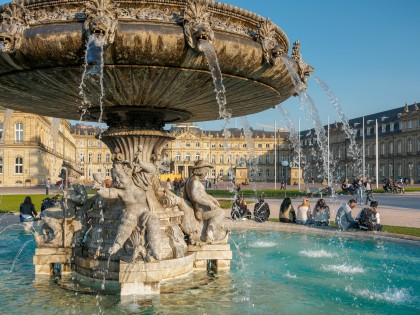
101,21
197,24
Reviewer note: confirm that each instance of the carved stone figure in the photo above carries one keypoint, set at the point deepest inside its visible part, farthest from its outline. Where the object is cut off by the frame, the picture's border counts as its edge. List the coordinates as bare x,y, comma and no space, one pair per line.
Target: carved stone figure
72,208
197,23
266,37
203,217
102,19
136,217
304,70
12,27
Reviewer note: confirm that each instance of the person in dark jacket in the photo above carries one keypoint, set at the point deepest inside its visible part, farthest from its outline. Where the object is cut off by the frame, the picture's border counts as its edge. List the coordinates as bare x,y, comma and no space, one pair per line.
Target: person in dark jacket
27,210
261,210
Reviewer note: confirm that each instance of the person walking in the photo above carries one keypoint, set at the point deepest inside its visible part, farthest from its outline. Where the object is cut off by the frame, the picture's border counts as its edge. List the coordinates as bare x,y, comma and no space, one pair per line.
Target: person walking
215,184
47,185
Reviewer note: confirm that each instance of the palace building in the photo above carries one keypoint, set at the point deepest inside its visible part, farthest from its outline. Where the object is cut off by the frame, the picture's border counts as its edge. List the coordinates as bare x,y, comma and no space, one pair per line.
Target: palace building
398,146
33,148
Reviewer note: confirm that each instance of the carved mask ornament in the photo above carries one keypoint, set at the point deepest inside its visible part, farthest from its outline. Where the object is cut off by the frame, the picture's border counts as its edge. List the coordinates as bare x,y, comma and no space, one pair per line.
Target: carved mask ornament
14,22
266,37
197,23
102,19
304,70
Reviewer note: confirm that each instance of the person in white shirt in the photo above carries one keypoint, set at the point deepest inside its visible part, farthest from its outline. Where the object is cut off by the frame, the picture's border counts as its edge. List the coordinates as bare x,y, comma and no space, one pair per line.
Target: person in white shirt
304,214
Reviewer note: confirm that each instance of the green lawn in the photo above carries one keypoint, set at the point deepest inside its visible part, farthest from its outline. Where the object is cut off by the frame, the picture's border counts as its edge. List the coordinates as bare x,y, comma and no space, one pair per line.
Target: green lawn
11,203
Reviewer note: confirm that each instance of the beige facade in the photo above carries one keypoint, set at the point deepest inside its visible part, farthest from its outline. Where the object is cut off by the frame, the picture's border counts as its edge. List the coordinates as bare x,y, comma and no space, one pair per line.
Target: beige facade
28,155
92,154
29,152
225,154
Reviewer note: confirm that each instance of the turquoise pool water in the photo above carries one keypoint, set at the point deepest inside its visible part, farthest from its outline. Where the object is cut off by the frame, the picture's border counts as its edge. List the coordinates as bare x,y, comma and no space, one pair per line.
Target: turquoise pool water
272,273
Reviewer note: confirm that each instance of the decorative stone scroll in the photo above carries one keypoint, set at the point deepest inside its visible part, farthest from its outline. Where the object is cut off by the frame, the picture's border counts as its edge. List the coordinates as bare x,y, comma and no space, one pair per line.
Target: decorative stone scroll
102,19
266,37
197,23
14,23
304,70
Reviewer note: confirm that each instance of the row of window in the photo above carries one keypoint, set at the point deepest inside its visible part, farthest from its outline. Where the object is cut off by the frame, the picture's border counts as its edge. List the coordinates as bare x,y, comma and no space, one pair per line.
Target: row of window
221,158
18,165
178,144
90,143
98,158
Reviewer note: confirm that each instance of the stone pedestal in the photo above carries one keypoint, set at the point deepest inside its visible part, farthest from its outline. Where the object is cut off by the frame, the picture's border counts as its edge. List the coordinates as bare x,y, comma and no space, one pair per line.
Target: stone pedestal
45,258
142,278
218,255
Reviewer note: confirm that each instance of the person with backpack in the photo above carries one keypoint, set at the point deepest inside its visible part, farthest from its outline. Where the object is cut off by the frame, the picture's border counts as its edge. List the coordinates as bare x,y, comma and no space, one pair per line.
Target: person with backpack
369,218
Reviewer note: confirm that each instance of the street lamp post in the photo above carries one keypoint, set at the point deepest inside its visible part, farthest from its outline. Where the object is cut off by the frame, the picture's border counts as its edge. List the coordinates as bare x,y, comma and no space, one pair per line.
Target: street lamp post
285,164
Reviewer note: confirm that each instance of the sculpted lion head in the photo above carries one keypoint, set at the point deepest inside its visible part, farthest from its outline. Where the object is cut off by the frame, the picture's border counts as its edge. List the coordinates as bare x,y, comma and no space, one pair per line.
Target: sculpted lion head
197,24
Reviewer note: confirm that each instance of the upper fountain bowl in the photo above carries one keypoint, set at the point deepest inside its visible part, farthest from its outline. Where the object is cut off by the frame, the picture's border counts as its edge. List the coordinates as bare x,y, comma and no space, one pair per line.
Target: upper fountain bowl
151,56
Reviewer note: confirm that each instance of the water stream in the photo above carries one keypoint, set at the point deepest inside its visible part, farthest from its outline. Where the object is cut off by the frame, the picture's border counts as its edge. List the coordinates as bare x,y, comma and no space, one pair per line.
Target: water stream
6,124
354,151
93,76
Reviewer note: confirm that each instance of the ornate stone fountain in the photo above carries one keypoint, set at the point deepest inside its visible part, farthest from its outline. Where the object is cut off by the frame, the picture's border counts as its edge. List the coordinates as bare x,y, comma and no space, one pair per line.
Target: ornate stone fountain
152,72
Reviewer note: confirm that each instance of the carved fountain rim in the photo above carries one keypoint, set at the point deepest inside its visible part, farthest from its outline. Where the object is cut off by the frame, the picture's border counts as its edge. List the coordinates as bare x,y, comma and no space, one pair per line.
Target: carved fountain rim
218,8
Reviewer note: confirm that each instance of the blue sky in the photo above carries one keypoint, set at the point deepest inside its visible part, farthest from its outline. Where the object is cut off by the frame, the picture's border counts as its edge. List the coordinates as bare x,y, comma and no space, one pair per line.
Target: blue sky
367,51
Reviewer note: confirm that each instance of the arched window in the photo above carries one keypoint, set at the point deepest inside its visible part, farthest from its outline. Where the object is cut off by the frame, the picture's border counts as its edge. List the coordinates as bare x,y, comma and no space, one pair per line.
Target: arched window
399,147
19,165
99,157
410,146
390,170
399,170
222,159
382,148
19,132
391,148
178,156
213,159
187,157
197,156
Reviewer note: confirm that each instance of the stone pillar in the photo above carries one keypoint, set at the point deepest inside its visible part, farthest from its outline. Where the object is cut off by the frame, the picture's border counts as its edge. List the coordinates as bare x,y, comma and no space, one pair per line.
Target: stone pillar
45,258
220,255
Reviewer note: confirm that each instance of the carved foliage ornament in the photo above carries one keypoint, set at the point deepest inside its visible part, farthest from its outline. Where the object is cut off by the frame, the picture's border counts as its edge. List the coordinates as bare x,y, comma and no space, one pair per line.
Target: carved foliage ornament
304,70
14,22
266,37
102,19
197,23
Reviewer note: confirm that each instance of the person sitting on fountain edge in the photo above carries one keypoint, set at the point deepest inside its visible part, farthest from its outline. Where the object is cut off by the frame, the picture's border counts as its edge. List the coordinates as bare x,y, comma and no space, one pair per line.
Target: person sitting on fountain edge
321,214
287,212
304,215
261,210
27,210
369,218
240,210
344,218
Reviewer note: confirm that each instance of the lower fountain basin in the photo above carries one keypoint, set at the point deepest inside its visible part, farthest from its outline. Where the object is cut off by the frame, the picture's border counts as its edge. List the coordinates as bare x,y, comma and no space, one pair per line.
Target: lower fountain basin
306,273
